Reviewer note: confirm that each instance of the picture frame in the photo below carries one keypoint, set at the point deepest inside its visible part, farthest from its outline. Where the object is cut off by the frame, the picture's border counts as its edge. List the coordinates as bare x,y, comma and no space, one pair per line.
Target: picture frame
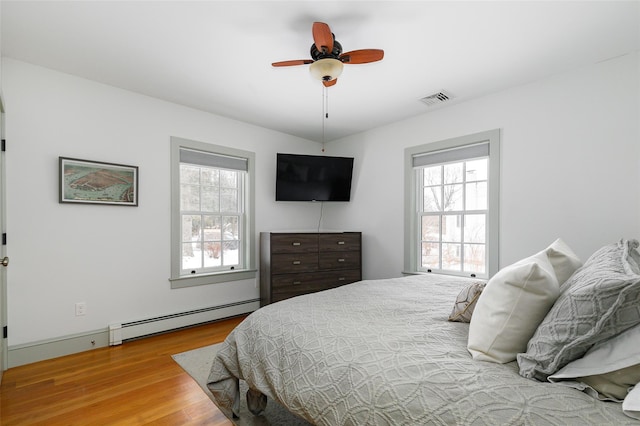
97,182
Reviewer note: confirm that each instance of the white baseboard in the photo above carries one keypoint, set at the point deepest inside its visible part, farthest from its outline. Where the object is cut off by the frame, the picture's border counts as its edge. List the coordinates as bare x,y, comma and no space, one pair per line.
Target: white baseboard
47,349
52,348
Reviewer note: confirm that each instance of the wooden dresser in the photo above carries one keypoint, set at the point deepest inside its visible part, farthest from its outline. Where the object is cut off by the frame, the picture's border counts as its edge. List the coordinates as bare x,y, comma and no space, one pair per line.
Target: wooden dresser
295,263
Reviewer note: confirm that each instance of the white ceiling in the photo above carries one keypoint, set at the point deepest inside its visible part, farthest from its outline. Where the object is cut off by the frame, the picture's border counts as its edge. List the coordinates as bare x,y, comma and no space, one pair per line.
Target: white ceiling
216,55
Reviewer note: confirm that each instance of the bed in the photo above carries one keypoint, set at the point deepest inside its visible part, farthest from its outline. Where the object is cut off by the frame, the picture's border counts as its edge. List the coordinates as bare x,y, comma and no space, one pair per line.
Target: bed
382,352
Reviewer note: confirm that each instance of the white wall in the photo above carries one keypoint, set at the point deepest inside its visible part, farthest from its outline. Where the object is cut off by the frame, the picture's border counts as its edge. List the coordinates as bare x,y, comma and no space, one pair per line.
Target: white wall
570,156
114,258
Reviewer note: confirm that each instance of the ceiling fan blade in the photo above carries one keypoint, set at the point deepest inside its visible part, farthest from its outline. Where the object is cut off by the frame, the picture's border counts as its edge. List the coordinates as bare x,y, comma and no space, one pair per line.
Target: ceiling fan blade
330,82
322,36
362,56
294,62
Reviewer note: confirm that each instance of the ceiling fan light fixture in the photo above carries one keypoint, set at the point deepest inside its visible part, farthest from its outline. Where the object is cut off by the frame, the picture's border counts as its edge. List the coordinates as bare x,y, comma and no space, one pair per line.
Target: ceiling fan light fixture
326,69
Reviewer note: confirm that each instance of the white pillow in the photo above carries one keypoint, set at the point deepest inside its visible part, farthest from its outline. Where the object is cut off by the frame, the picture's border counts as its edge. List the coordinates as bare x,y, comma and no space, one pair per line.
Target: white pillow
564,261
516,300
631,404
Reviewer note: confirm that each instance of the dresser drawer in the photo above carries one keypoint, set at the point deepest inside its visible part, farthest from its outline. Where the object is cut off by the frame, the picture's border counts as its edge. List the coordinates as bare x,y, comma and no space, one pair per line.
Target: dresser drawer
339,242
290,285
294,243
291,263
339,260
298,283
341,277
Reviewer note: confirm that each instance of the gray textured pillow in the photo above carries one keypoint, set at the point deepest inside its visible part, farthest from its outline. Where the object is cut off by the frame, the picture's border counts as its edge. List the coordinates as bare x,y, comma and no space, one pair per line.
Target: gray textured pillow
466,302
598,301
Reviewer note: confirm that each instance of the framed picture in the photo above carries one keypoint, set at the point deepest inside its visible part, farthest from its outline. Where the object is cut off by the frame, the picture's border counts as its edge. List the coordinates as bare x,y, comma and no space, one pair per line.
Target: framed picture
95,182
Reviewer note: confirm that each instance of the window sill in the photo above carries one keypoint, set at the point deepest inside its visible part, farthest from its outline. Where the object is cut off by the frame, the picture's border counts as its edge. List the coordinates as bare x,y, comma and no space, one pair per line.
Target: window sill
450,274
214,278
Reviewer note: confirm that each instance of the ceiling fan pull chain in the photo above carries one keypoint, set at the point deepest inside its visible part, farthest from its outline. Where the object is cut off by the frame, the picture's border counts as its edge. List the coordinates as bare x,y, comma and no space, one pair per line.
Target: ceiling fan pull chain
326,102
325,114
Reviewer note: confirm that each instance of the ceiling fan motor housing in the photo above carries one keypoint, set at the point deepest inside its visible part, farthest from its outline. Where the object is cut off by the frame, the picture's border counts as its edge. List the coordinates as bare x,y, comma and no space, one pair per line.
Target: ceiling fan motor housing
319,54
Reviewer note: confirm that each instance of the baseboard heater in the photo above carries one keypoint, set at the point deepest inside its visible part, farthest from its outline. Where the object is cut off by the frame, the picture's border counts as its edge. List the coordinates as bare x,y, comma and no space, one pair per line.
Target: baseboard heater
119,333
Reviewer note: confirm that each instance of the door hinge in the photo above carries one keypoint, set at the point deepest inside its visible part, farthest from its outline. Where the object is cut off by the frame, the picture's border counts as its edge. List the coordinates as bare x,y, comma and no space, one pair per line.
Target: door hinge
4,238
5,332
3,147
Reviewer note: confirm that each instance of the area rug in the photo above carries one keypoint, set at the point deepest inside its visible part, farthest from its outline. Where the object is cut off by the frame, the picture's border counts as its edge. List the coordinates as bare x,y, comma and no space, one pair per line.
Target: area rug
198,364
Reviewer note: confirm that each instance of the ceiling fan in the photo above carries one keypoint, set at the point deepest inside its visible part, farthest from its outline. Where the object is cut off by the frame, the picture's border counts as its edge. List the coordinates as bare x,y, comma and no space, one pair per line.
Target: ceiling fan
328,58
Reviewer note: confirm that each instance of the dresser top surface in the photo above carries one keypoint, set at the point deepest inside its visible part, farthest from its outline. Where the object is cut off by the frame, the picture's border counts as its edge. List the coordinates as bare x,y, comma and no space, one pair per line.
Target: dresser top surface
322,231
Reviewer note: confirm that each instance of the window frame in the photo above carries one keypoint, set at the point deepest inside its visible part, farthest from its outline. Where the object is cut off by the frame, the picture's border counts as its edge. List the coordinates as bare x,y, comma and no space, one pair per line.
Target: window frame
177,278
412,227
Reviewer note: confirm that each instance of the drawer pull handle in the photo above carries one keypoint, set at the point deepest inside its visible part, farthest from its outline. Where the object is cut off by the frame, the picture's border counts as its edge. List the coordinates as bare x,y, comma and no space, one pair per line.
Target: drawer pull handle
340,243
296,262
296,282
340,260
295,244
341,279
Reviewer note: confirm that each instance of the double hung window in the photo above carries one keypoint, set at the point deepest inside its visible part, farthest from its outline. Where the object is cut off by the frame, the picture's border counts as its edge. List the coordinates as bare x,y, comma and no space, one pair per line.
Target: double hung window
211,220
452,187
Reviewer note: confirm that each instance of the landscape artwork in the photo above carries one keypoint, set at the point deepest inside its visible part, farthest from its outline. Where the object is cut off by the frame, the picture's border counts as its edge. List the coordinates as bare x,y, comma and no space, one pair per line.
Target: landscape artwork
94,182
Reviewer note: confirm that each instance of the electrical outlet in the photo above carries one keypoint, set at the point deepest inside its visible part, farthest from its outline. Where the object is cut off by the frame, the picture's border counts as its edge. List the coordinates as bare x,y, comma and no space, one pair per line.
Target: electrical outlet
81,309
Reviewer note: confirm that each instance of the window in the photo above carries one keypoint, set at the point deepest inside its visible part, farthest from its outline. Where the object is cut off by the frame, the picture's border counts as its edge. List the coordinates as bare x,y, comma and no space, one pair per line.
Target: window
452,217
212,219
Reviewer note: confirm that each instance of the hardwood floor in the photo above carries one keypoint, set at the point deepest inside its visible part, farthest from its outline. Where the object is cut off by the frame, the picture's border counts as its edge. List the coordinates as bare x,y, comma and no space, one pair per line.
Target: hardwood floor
136,383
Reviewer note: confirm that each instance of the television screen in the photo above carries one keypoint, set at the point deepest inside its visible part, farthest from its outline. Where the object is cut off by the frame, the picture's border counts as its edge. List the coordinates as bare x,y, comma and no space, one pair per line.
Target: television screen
313,178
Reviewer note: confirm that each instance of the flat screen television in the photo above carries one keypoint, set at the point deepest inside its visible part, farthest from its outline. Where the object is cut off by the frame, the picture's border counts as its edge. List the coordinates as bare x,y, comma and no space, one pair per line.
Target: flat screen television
313,178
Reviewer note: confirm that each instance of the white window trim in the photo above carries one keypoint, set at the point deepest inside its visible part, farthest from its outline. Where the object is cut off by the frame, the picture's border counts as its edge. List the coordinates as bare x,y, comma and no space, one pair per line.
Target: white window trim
411,197
250,272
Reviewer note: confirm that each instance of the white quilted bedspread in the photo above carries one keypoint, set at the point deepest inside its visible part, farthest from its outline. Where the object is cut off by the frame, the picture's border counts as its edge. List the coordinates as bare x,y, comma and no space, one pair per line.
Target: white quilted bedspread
383,353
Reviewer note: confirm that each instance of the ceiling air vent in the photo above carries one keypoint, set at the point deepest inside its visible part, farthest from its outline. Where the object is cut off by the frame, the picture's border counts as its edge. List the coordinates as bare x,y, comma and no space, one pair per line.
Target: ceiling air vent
436,98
